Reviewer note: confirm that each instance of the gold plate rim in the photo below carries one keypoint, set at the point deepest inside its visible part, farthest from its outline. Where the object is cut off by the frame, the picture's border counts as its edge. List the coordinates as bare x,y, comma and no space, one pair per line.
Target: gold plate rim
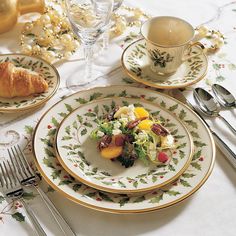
152,84
117,211
39,104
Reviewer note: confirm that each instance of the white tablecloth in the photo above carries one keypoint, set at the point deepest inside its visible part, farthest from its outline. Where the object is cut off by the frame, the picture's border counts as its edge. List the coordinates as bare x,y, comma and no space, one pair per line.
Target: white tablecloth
212,210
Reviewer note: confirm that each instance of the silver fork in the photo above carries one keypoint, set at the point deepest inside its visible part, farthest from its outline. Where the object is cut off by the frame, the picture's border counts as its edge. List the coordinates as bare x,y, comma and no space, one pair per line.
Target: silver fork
28,178
12,189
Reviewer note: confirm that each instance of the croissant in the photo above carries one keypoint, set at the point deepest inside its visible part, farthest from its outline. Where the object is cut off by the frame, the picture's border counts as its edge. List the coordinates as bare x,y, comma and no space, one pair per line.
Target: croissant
19,82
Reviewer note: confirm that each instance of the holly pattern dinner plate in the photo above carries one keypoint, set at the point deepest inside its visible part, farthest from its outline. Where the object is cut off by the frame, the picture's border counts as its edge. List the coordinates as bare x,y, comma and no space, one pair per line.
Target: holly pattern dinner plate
136,64
79,155
188,183
49,73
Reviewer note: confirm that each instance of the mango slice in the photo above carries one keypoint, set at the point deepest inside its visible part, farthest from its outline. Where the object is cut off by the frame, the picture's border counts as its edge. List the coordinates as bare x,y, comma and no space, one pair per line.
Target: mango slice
111,152
140,112
145,124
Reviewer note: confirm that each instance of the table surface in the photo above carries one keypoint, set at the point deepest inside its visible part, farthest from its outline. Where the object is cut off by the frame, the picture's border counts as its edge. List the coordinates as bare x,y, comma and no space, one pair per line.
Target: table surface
210,211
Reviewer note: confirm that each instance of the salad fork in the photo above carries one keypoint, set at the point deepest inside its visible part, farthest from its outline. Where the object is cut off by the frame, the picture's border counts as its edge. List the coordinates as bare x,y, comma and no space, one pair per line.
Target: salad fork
28,178
12,189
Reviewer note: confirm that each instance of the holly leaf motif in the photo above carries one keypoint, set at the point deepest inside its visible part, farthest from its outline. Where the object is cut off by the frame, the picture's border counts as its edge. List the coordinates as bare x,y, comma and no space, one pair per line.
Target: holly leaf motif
187,175
90,114
156,199
81,100
128,81
199,144
181,154
83,132
76,187
95,96
184,183
163,104
192,123
197,155
55,122
143,181
182,114
65,182
175,160
48,163
135,184
172,192
105,197
195,134
182,145
92,194
139,199
123,94
154,178
55,174
174,132
122,185
29,129
196,165
174,107
68,107
123,201
18,216
171,168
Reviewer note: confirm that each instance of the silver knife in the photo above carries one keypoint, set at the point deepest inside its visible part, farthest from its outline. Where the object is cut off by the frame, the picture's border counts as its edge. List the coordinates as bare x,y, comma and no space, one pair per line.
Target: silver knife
231,156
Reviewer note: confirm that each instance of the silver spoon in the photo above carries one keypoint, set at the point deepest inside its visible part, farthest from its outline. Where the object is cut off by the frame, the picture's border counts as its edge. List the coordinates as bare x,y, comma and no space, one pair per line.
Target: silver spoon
208,105
223,96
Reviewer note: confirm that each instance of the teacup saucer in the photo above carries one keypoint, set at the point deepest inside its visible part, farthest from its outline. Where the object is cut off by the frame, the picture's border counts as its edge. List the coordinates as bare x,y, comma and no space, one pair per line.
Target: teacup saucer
135,62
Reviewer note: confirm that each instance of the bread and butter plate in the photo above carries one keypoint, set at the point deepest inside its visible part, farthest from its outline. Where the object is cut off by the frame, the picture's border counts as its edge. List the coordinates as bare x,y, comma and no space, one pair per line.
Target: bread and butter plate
34,65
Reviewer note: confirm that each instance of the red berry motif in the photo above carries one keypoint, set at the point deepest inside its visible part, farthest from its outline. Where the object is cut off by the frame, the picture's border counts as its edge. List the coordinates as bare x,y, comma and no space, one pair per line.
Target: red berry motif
98,199
49,126
162,157
201,159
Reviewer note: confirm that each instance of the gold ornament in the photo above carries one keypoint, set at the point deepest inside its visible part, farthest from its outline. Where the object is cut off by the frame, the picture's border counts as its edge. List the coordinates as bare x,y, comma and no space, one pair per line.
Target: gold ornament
11,9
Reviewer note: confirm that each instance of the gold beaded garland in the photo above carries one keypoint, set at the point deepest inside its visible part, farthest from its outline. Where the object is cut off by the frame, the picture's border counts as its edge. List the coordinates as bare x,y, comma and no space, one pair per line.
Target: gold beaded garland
215,37
51,37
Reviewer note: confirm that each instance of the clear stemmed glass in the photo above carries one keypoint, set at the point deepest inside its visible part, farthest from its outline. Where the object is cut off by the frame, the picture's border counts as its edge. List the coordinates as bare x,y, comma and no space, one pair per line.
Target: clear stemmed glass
116,6
88,19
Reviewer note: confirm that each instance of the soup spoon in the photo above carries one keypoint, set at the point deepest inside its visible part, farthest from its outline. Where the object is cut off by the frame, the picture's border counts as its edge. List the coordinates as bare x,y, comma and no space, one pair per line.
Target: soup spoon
223,96
208,105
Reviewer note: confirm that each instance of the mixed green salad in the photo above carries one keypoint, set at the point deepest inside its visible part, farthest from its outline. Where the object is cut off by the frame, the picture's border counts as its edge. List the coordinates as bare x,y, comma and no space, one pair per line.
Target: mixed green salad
130,133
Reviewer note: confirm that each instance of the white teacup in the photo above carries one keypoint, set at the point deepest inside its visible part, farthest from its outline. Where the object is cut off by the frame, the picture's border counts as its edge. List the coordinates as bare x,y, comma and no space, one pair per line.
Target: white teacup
168,42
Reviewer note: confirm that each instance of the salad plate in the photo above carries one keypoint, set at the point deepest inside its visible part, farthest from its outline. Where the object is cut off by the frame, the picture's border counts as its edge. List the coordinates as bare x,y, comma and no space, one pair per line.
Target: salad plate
136,64
49,73
188,183
142,146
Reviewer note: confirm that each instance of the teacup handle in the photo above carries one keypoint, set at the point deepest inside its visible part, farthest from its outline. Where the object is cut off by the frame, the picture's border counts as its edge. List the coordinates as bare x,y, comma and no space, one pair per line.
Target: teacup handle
194,55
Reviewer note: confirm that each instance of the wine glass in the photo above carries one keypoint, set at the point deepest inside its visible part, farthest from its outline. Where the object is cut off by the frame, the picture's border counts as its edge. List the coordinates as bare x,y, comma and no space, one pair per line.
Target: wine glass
88,19
116,6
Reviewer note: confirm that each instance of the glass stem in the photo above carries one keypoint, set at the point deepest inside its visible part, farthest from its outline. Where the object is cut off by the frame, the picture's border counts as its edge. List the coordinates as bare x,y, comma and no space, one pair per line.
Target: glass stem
106,37
88,55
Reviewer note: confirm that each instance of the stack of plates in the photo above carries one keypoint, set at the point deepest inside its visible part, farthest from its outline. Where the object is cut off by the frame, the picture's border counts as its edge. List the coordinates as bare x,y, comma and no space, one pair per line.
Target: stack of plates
69,161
